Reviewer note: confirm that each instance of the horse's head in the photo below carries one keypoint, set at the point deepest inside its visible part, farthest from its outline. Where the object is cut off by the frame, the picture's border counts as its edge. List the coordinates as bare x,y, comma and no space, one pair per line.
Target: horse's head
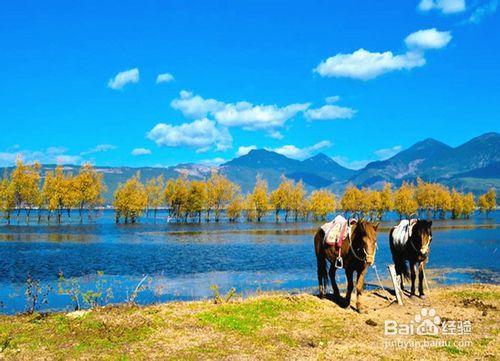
423,239
364,239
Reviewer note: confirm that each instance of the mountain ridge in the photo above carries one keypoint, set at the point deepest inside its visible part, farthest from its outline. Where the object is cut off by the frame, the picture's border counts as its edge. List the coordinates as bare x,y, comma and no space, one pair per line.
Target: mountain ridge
471,166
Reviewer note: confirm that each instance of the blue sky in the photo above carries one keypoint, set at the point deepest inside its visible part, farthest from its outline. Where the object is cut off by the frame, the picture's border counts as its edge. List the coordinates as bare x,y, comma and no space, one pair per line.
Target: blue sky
357,80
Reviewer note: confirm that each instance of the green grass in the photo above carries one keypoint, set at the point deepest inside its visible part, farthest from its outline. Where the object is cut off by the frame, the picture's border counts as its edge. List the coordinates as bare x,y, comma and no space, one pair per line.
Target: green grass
483,295
452,350
247,318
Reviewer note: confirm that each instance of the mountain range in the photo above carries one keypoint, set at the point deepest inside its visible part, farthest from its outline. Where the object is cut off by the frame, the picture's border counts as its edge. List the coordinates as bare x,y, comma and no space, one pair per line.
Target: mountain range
473,166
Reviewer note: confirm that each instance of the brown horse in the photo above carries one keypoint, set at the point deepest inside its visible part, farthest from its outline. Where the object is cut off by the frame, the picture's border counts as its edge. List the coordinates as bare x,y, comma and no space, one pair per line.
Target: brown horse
415,249
358,252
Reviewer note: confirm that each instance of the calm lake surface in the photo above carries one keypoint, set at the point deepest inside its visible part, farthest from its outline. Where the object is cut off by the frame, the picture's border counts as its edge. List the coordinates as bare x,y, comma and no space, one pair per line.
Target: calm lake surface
181,261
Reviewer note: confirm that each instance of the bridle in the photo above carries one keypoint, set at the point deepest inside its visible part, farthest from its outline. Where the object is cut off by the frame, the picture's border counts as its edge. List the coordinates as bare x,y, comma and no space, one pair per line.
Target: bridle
415,248
364,251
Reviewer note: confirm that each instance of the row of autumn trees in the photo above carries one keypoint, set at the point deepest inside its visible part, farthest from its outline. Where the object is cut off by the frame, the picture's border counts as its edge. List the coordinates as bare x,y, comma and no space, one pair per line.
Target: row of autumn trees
59,192
210,199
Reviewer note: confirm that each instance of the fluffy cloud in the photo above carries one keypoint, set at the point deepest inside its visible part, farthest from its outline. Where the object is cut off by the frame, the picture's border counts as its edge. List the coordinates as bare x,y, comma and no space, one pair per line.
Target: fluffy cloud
292,151
445,6
194,106
51,155
257,117
164,78
241,114
428,39
387,153
365,65
329,112
140,151
243,150
123,78
201,134
483,11
99,149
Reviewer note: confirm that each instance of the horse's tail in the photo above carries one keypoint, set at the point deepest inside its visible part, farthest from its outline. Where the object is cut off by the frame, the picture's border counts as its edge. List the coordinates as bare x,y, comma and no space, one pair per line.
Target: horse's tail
399,263
321,262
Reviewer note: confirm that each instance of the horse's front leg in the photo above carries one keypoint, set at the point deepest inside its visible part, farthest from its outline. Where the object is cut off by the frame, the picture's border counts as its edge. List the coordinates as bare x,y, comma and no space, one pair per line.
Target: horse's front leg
413,276
350,286
421,279
333,270
360,285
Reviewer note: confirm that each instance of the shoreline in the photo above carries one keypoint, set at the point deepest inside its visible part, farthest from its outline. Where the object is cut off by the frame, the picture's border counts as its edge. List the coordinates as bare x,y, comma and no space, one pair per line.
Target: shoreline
269,325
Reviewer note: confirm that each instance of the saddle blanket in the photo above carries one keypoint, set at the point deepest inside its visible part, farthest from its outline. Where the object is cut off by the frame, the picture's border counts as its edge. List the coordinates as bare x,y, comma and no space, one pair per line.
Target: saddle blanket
403,231
336,231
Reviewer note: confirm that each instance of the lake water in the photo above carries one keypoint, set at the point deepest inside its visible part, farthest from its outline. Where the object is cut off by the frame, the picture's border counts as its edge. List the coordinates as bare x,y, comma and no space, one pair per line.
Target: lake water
181,261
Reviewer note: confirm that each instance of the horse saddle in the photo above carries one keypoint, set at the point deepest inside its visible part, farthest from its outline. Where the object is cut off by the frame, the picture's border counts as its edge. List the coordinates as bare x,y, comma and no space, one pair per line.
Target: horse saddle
402,232
336,231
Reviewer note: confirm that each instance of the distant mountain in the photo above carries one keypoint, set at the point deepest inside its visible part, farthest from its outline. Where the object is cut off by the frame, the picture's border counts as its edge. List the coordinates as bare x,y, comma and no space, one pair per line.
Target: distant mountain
433,161
316,172
473,166
407,164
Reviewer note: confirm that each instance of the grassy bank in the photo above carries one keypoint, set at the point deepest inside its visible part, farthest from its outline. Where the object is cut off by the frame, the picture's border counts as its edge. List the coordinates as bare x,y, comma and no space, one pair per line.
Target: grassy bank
267,326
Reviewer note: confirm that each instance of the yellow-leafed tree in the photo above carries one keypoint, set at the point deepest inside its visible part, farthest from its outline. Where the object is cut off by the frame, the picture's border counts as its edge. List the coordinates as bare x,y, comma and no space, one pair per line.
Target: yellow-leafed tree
155,190
130,199
220,191
404,200
259,199
321,202
352,200
89,186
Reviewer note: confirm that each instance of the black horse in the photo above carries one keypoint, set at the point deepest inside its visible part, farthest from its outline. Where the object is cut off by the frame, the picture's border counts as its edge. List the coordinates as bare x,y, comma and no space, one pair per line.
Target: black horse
413,249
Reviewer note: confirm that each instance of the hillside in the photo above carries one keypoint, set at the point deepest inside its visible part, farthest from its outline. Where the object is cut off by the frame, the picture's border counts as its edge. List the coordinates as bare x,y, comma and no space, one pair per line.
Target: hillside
473,166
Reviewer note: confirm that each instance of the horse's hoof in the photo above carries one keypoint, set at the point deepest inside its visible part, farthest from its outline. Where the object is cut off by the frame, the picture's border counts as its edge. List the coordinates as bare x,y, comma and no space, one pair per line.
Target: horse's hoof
422,296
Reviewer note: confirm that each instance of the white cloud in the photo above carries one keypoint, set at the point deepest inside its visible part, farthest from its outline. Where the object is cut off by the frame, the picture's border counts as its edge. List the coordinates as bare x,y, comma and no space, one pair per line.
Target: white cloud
387,153
194,106
164,78
123,78
257,117
292,151
332,99
365,65
140,151
428,39
201,134
241,114
244,150
99,149
329,112
51,155
483,11
445,6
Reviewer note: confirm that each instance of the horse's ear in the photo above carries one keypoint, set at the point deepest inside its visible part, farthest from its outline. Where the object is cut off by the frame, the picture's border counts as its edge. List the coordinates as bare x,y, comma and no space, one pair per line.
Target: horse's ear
353,221
429,223
375,226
